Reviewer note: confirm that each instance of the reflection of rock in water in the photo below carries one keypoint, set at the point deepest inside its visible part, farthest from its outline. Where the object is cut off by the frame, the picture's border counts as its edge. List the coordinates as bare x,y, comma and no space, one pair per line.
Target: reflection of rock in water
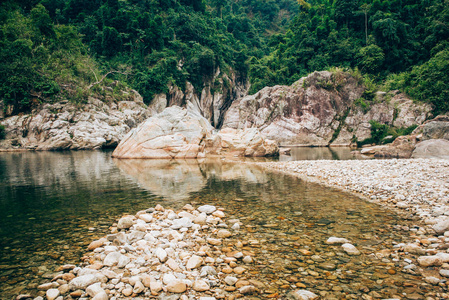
177,179
170,179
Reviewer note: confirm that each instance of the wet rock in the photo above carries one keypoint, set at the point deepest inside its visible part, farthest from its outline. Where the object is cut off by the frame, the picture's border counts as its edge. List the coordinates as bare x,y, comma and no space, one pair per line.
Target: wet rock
230,280
432,280
96,244
336,241
247,289
125,223
428,261
52,294
444,273
414,249
223,233
350,249
303,295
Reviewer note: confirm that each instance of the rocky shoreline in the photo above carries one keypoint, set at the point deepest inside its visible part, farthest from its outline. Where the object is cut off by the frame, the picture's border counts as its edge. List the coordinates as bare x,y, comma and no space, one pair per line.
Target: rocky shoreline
163,254
418,188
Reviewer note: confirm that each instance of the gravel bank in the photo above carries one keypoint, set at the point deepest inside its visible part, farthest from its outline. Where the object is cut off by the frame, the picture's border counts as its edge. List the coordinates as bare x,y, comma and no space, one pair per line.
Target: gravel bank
417,186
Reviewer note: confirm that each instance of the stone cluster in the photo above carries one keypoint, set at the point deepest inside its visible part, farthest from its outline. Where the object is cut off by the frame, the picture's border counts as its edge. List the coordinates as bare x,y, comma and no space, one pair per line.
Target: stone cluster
161,253
417,187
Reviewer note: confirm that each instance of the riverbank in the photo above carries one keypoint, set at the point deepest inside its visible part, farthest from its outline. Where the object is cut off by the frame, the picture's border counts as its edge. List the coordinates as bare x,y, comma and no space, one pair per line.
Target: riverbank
419,187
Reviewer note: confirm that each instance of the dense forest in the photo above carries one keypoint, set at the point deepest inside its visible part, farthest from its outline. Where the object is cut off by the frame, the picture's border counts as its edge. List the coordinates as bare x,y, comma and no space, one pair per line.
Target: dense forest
68,49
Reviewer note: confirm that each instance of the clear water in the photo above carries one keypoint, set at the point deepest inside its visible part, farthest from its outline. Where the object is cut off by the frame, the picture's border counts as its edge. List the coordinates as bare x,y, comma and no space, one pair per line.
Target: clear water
52,204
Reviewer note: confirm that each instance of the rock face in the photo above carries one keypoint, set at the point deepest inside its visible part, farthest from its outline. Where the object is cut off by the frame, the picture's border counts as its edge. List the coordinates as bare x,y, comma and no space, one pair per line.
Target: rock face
211,102
246,142
65,125
184,133
320,110
174,133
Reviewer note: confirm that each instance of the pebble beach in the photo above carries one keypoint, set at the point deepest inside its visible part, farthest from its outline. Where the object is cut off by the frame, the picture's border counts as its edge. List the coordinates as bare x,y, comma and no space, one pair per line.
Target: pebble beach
419,187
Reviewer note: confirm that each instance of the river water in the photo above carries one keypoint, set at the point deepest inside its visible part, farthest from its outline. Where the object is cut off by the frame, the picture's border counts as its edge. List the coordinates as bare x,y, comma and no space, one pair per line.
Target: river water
53,204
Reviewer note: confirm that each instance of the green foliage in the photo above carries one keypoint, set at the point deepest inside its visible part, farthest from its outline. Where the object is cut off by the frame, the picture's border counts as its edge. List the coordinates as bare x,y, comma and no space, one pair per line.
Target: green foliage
428,82
378,37
370,58
2,132
380,132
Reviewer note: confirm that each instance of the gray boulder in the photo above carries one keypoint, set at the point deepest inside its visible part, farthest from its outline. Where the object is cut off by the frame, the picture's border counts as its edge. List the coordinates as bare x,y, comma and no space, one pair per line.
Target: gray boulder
438,148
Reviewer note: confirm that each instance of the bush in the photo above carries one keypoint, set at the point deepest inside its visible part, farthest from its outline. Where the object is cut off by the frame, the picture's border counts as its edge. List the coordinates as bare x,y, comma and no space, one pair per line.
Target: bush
428,82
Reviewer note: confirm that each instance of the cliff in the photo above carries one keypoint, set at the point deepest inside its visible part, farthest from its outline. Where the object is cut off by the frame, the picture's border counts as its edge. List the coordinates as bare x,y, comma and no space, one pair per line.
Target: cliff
321,109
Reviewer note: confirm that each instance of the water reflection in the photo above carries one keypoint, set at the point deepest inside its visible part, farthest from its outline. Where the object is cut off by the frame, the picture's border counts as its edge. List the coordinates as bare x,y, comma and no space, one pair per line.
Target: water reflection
178,179
320,153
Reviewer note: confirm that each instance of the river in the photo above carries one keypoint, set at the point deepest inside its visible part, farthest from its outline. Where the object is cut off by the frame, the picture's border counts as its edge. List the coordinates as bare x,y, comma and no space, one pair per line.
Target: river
53,204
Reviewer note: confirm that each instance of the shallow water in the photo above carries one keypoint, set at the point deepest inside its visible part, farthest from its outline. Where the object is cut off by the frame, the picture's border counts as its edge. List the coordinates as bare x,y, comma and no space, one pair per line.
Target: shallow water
52,204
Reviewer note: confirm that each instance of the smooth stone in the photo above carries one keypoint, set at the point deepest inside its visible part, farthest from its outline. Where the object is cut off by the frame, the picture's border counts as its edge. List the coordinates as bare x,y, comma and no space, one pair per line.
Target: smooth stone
444,273
429,261
94,289
208,270
82,282
432,280
223,233
146,217
200,286
350,249
181,223
414,249
168,278
194,262
112,259
161,254
247,289
208,209
138,287
101,296
176,286
52,294
239,270
45,286
214,242
303,295
127,291
336,241
247,259
123,261
155,286
200,219
125,223
172,264
96,244
230,280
